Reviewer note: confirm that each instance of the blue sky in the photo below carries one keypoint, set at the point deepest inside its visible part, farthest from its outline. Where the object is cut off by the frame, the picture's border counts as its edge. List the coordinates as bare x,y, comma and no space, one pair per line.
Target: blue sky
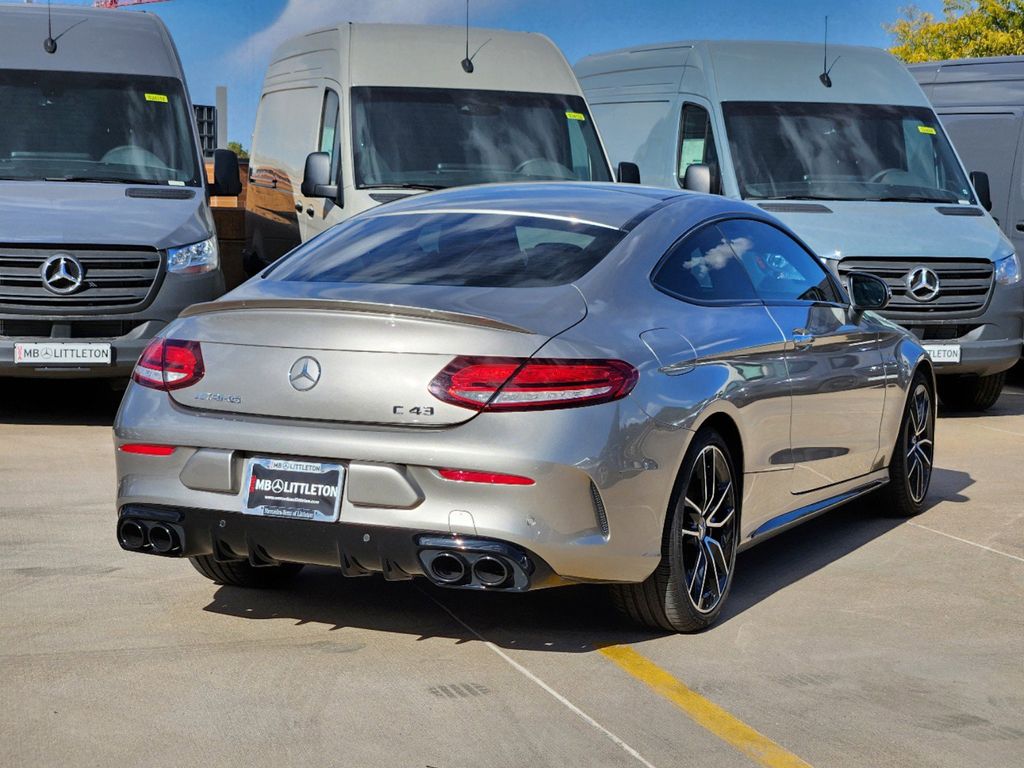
228,42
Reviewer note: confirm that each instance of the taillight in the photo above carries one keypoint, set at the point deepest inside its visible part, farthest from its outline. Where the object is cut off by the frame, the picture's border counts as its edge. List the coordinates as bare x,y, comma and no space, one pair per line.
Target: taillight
168,364
512,384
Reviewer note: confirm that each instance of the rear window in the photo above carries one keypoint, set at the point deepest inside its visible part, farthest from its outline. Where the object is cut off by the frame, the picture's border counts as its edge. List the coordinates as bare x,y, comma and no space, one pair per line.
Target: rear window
463,249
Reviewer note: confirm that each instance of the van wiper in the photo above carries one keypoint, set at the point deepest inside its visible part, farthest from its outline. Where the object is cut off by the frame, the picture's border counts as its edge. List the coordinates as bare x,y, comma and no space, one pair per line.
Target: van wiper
425,187
103,179
914,199
799,197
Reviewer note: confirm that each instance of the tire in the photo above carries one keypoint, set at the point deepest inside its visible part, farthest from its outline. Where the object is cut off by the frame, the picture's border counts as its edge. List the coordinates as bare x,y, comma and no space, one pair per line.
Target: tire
701,530
970,393
910,471
241,574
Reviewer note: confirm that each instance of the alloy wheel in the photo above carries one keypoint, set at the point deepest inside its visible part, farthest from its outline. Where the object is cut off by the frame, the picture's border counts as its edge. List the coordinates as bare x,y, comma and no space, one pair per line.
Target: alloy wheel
919,443
709,530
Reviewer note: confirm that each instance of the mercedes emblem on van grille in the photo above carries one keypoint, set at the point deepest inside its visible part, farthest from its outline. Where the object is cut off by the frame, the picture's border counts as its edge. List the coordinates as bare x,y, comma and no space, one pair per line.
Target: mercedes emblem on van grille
62,274
922,284
304,374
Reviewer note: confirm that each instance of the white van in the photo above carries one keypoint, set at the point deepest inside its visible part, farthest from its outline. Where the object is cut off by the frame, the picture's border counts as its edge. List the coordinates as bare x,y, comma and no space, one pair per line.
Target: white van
357,115
853,159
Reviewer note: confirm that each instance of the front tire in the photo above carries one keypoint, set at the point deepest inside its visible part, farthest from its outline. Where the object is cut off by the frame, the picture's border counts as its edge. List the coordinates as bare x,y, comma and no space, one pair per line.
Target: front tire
242,574
970,393
910,470
687,590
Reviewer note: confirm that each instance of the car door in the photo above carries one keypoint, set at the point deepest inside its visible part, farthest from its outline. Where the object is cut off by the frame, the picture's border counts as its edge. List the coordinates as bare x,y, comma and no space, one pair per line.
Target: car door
834,360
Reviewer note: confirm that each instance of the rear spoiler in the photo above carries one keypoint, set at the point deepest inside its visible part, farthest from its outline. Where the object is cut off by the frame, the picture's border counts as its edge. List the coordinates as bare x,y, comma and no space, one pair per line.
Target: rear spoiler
340,305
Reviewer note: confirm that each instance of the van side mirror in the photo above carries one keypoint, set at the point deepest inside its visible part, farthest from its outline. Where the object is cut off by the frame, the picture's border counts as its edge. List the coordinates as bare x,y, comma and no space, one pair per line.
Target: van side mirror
316,179
226,181
867,291
979,180
698,178
628,173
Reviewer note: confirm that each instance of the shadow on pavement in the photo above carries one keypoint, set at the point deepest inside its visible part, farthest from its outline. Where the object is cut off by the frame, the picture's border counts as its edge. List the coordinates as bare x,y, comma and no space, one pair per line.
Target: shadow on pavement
78,402
566,619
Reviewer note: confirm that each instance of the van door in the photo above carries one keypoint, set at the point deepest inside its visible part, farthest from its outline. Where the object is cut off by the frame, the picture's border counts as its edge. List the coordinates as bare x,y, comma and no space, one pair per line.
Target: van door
1014,228
286,131
986,140
321,213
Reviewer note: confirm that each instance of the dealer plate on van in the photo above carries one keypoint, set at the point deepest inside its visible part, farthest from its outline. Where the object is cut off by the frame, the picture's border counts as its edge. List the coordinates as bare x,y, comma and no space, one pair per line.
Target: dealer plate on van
59,353
943,353
299,490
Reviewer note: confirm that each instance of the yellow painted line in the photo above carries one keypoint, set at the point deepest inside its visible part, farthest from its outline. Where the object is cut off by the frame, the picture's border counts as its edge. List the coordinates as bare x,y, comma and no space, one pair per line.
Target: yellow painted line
706,714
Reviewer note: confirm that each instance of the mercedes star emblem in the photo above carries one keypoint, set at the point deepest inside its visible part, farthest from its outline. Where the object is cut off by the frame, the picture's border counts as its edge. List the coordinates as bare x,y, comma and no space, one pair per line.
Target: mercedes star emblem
62,274
922,284
304,374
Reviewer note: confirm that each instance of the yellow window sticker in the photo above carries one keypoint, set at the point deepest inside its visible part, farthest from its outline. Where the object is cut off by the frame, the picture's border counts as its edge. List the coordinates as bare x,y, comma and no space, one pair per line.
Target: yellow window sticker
926,129
575,116
156,97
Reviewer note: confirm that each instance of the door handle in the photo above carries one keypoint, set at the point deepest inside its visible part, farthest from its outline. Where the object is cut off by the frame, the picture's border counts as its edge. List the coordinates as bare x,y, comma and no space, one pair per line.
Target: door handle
1020,226
802,338
310,212
299,206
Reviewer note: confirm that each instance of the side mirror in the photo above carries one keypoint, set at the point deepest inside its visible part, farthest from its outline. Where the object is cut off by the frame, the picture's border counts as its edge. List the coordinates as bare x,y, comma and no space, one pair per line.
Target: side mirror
316,179
979,180
628,173
698,178
867,291
226,181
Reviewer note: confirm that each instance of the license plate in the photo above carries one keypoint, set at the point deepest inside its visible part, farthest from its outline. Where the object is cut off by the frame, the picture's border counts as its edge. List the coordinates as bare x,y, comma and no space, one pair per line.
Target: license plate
299,490
59,353
943,353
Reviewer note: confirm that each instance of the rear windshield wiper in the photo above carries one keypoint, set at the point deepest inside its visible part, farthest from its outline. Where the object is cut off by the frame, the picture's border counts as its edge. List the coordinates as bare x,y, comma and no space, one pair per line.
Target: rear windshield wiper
425,187
103,180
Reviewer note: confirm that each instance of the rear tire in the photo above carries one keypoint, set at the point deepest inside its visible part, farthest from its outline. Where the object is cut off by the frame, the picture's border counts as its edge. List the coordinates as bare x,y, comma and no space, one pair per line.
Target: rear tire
242,574
910,470
970,393
687,590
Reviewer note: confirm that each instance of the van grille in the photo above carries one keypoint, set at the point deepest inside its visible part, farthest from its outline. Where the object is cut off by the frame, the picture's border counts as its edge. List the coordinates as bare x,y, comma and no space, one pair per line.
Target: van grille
964,285
112,278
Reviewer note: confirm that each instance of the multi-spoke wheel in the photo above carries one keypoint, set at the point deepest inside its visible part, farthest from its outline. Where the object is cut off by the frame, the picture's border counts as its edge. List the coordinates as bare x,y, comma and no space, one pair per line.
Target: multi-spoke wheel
910,471
687,590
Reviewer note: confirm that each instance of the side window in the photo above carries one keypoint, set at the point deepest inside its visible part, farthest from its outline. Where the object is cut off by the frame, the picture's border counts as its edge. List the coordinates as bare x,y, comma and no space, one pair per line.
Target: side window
329,122
704,268
285,128
697,144
779,267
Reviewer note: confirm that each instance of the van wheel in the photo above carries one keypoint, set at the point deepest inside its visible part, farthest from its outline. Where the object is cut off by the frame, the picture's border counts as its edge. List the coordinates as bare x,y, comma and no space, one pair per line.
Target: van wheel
241,574
970,393
910,470
689,587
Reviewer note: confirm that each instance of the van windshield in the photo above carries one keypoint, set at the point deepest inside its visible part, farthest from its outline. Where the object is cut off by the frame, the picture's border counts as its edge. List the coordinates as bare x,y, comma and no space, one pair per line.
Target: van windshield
76,126
828,151
433,138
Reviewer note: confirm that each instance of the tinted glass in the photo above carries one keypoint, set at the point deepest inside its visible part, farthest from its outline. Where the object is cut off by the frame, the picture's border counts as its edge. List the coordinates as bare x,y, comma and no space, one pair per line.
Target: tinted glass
779,268
444,138
704,268
842,152
73,126
697,144
488,250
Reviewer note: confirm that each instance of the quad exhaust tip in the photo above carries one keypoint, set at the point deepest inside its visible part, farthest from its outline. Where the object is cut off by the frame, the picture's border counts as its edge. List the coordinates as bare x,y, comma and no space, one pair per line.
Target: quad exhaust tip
490,571
448,568
162,538
132,535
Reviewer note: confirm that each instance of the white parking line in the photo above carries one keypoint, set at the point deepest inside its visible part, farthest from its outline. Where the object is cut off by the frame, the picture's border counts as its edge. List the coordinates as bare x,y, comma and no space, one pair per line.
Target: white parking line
965,541
533,678
1004,431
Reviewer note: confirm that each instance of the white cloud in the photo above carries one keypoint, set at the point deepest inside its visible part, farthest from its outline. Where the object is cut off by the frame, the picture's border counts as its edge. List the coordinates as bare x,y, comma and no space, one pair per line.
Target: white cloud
300,16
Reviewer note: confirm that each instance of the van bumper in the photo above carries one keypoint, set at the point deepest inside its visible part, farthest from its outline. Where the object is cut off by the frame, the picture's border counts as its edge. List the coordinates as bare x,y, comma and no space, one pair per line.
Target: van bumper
124,352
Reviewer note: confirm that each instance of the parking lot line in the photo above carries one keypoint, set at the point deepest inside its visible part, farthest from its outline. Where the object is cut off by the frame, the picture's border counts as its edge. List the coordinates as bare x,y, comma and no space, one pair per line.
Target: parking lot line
966,541
705,713
536,680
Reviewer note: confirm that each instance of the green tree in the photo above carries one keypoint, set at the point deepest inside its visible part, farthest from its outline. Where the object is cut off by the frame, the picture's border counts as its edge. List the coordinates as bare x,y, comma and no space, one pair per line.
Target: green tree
967,29
238,149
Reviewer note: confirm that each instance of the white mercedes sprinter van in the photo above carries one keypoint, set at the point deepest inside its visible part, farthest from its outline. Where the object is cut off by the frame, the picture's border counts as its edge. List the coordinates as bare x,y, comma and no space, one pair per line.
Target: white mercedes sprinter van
361,114
106,232
853,159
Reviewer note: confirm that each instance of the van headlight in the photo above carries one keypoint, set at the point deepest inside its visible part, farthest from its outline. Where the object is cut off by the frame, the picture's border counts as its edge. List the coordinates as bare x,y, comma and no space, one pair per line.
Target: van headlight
1008,270
195,258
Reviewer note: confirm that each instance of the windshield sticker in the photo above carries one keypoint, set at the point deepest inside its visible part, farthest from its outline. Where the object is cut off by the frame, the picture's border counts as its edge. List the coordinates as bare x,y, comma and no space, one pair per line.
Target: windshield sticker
176,183
926,129
159,97
576,116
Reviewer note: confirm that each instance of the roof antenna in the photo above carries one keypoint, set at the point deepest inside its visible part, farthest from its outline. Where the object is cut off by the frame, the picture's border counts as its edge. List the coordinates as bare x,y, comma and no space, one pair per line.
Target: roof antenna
467,63
49,44
825,68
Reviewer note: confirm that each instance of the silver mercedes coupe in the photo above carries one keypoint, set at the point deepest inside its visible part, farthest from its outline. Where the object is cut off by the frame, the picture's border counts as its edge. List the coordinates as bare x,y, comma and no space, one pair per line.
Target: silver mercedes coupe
513,387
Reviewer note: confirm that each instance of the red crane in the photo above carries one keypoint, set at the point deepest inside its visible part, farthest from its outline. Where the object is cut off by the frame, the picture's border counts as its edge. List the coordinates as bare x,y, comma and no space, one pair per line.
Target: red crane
122,3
